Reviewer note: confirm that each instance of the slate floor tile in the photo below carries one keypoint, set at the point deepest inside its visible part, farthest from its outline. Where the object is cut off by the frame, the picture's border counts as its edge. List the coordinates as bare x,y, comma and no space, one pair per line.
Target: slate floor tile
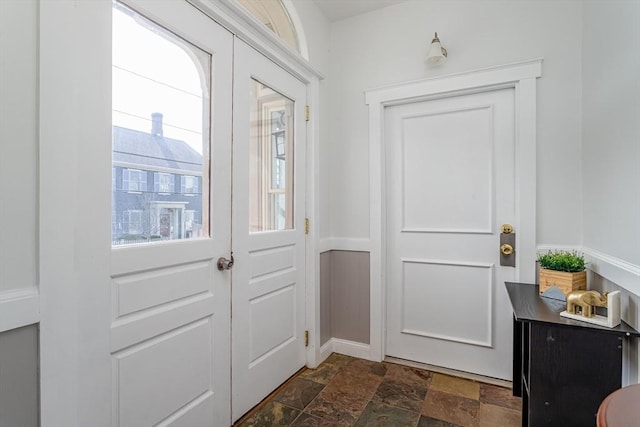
380,415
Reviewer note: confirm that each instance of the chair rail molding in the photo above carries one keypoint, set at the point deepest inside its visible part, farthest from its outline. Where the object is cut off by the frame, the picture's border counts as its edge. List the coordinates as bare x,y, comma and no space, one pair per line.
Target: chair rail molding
522,77
616,270
19,307
344,244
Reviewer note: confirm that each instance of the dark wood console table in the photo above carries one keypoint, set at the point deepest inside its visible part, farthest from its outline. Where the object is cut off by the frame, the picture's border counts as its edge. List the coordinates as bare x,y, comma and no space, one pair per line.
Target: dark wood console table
562,368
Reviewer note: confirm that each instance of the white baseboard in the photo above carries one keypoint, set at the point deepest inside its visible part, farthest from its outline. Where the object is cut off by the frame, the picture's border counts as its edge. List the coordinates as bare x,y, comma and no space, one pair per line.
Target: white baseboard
344,244
19,307
346,347
325,351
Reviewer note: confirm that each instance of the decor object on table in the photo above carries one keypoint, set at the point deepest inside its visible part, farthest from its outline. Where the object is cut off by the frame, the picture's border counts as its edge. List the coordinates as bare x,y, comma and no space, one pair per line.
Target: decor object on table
581,306
564,270
584,302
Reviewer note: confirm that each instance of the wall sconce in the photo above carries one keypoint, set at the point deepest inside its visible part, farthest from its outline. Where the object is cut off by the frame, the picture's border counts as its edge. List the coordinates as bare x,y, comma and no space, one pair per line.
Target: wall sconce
437,54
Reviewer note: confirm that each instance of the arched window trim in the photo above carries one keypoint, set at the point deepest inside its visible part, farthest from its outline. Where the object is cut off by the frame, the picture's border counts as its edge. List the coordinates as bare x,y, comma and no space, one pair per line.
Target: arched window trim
278,17
245,26
297,27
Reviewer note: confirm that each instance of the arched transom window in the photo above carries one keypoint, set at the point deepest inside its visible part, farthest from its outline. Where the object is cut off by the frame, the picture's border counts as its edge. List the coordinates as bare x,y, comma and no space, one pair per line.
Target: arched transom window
274,15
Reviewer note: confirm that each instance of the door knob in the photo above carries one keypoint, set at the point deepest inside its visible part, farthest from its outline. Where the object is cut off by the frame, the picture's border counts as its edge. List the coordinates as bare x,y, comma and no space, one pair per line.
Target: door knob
506,249
507,228
224,263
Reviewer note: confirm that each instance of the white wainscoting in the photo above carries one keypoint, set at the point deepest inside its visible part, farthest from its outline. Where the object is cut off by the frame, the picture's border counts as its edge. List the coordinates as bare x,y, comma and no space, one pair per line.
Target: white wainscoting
19,307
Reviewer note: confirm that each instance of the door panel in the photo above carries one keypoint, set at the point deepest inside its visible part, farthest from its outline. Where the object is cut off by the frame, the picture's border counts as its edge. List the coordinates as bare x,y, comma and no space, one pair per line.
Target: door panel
170,305
451,184
268,228
171,371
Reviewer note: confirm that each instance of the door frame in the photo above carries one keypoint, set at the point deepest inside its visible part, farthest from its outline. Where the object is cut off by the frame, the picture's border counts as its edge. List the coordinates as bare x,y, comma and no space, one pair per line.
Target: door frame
522,77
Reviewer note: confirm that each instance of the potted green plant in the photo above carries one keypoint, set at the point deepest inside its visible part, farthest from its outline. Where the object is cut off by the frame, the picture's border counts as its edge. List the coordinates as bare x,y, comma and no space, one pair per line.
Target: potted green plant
564,269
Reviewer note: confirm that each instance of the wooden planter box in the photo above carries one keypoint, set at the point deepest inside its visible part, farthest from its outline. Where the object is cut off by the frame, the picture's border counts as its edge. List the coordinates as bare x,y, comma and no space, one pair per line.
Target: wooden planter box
566,282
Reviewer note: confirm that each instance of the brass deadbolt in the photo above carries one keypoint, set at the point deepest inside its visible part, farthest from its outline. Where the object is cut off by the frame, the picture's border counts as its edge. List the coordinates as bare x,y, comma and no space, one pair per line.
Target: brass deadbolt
506,249
507,228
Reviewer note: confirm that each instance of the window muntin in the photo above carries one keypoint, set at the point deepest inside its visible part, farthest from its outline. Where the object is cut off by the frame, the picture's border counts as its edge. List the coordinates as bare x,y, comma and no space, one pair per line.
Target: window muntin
161,111
132,222
271,160
189,184
163,182
134,180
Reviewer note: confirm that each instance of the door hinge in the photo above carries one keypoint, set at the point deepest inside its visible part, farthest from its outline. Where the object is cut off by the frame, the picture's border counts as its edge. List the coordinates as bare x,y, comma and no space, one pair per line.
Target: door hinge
307,112
306,338
306,226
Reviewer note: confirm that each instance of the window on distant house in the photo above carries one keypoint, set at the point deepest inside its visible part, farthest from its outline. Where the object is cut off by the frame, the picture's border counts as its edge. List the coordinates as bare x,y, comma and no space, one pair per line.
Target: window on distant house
134,180
132,222
189,184
163,182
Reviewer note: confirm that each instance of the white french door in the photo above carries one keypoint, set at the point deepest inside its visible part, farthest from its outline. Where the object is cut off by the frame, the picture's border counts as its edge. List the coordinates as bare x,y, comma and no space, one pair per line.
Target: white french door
451,184
135,108
268,291
148,119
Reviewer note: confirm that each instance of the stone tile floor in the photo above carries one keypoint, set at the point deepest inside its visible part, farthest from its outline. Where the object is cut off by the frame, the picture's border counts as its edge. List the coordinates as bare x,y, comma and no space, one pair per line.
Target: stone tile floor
345,391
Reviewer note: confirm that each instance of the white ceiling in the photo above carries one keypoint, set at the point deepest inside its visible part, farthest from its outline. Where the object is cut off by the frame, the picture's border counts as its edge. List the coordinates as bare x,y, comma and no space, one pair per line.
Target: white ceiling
336,10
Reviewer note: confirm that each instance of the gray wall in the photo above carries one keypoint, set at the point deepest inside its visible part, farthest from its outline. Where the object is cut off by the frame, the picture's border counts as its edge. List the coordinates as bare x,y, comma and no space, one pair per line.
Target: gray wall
19,377
344,296
18,149
611,129
388,46
18,210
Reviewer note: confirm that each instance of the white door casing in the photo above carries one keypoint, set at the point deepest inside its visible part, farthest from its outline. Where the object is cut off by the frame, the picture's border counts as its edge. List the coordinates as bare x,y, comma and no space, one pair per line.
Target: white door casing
450,184
520,76
138,335
268,295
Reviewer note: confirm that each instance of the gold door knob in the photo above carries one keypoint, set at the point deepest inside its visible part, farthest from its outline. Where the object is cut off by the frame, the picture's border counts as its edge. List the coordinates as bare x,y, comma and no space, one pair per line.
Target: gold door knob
507,228
506,249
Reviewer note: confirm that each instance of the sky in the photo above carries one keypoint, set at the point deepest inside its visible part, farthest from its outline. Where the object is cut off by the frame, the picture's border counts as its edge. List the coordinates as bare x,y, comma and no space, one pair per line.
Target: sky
152,72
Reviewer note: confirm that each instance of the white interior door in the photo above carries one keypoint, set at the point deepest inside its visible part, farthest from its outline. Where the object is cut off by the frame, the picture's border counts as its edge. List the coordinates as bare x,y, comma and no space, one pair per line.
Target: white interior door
268,227
450,186
136,316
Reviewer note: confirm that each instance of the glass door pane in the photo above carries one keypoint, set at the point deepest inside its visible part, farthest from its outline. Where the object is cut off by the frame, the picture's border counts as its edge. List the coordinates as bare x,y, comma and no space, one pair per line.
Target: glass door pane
160,181
271,160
